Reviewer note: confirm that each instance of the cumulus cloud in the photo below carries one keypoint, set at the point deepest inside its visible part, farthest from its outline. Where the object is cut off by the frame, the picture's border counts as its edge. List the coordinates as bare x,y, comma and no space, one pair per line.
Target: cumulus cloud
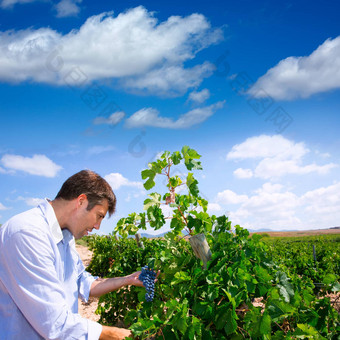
214,207
114,119
31,201
301,77
265,146
277,157
38,165
133,47
67,8
151,117
243,173
170,81
324,200
2,207
229,197
271,206
117,180
96,150
6,4
199,96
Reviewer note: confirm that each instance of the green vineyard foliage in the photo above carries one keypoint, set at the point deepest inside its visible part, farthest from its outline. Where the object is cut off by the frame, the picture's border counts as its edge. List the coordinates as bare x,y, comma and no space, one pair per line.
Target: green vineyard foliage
297,255
247,290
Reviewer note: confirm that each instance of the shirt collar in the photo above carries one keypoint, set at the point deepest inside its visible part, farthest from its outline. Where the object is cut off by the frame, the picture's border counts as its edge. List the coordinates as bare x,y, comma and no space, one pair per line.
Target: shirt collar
51,219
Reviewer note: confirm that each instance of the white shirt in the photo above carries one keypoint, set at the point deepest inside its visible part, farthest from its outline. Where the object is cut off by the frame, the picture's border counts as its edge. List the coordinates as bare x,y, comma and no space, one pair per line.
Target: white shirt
41,277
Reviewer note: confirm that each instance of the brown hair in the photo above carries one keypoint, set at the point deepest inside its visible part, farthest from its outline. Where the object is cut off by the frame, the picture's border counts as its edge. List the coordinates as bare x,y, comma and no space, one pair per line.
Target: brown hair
92,185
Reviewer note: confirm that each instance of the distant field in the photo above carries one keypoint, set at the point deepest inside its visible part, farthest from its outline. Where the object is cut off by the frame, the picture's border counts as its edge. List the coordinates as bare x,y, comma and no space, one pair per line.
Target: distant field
300,233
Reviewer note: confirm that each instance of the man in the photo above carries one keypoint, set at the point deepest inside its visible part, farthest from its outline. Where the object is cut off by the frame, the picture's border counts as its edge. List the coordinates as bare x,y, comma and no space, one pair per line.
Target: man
41,274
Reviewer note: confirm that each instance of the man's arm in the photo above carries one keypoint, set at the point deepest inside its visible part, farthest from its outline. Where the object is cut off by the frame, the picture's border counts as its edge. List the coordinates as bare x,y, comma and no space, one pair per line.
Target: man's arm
104,286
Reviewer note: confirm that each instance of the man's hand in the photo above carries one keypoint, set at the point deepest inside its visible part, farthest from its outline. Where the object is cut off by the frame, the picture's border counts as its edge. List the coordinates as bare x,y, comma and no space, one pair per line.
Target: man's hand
133,279
114,333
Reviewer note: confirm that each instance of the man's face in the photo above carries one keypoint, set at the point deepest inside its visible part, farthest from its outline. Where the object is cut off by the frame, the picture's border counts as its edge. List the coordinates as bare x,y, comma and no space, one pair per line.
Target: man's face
86,220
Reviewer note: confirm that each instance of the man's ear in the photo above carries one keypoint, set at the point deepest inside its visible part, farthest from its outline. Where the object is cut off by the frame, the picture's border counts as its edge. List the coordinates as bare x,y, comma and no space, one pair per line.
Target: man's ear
81,199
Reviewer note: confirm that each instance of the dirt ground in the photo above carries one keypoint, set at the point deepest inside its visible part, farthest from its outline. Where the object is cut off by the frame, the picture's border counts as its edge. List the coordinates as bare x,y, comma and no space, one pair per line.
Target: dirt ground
300,233
87,310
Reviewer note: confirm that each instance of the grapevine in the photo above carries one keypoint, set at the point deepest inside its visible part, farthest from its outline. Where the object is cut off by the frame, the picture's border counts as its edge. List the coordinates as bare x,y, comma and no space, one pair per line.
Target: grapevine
220,300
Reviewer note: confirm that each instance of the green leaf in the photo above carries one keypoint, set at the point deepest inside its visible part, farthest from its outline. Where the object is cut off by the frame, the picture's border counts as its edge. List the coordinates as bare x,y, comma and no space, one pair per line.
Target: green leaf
175,181
176,157
192,184
304,329
265,326
180,277
155,199
156,217
329,278
190,156
231,325
194,329
150,175
165,155
180,320
203,309
222,315
278,308
286,289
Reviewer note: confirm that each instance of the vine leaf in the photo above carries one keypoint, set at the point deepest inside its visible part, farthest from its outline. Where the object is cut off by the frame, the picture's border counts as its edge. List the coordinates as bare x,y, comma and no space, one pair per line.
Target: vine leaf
155,199
150,175
190,158
265,326
192,184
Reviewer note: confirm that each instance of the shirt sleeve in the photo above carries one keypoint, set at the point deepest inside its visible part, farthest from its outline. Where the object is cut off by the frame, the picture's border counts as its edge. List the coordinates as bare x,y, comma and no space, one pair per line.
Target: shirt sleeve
33,284
84,283
85,279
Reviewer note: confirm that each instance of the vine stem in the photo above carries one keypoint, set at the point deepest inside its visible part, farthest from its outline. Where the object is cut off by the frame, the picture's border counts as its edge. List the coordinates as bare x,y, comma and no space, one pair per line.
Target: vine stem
172,189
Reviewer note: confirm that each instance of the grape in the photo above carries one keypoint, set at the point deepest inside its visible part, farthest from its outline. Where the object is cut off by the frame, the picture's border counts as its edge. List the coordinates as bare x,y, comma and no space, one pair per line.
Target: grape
147,276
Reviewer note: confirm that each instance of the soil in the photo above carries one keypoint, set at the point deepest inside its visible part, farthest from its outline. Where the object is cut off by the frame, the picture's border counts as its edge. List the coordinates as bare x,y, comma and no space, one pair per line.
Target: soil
87,309
300,233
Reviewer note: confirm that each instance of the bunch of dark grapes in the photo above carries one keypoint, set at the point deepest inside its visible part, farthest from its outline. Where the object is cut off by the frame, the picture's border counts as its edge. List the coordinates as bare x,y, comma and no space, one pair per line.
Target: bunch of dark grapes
147,276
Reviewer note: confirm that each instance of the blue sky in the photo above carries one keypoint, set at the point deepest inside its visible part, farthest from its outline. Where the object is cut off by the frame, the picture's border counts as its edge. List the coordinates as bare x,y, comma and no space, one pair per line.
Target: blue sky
253,86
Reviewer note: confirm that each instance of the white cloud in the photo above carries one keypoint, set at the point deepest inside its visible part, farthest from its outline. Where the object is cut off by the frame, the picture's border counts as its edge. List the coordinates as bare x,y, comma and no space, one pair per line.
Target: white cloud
268,207
278,157
170,81
301,77
2,207
243,173
31,201
117,180
10,3
276,167
113,119
273,207
150,117
132,46
229,197
214,207
96,150
38,165
67,8
325,200
200,96
264,146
